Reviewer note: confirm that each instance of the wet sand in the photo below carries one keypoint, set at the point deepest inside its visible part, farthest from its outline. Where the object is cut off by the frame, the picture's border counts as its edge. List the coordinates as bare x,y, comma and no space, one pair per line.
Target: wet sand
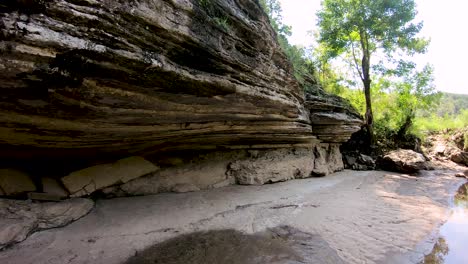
348,217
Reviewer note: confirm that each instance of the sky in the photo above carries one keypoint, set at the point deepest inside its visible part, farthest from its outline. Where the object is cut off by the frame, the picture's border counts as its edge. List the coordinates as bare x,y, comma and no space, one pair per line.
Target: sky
445,23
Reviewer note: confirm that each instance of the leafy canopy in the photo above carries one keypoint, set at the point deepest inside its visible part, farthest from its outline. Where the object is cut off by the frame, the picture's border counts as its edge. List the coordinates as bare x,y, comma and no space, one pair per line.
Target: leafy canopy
373,24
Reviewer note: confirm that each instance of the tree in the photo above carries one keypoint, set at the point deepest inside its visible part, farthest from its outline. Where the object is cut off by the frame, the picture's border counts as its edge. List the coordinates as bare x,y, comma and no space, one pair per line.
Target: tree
415,92
366,27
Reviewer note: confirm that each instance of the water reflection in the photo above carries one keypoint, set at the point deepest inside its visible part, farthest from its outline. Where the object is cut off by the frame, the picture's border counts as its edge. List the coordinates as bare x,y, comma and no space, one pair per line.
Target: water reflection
451,246
439,252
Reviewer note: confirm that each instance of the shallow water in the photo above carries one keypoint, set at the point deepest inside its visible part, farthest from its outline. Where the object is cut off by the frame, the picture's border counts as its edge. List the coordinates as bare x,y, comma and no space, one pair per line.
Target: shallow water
452,246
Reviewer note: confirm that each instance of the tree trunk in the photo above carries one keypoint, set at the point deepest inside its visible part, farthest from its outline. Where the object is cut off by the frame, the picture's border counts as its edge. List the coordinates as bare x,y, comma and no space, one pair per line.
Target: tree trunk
369,115
366,80
406,125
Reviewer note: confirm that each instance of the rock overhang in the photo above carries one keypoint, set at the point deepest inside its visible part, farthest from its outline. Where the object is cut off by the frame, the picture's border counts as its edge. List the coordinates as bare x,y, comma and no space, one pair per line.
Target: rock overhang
134,77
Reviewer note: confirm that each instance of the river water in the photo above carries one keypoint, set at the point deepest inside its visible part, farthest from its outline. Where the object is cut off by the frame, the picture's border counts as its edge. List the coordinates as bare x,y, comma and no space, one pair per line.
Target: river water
452,246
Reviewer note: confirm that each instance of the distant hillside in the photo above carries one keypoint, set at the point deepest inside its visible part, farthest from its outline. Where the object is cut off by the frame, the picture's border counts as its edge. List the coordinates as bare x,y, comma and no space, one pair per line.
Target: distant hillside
452,104
452,112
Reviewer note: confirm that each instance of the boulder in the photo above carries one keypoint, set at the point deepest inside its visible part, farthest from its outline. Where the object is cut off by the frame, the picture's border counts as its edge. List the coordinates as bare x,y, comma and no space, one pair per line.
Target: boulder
459,137
358,161
460,157
19,219
366,160
14,182
439,149
349,160
86,181
404,161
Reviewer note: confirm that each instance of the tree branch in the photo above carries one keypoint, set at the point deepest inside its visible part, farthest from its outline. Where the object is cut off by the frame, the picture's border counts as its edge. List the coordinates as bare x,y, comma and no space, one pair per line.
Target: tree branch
356,64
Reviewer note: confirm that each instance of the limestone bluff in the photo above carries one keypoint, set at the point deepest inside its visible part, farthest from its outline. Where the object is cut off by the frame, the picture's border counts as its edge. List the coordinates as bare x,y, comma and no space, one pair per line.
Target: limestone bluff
192,86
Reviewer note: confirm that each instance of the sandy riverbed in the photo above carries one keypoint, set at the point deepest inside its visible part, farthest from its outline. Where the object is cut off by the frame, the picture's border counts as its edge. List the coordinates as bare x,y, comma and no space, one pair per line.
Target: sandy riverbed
348,217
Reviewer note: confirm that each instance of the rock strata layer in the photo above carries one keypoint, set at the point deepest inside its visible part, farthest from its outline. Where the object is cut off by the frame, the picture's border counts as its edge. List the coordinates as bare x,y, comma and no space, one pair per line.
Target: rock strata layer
83,78
333,119
87,77
87,83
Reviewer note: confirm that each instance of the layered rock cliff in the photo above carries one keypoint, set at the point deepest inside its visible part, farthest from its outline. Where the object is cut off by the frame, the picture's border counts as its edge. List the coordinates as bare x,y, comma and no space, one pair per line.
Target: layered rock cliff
86,81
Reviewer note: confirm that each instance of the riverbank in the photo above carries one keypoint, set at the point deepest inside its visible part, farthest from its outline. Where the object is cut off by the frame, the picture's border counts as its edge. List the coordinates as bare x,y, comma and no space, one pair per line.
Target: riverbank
358,217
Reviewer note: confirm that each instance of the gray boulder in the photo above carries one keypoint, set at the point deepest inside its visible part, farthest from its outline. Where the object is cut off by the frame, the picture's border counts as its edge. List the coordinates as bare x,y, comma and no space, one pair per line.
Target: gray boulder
357,161
403,160
460,157
86,181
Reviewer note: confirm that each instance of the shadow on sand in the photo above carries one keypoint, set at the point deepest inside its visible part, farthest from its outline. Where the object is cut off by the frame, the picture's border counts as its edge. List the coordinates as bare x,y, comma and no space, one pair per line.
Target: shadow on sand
281,244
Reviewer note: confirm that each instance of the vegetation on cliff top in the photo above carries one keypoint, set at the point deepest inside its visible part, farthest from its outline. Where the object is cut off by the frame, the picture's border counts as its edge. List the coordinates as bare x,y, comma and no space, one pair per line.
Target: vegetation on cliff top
302,62
399,97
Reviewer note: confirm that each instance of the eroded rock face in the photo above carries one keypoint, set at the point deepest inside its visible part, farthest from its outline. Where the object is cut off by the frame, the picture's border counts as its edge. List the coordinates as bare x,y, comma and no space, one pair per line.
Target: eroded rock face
246,167
333,118
273,166
91,82
19,219
86,78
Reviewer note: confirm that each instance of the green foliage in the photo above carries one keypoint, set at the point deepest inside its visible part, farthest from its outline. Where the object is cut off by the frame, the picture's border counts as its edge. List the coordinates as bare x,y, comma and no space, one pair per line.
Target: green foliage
304,69
397,100
362,28
451,113
415,92
380,24
273,10
213,14
222,22
453,104
432,122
